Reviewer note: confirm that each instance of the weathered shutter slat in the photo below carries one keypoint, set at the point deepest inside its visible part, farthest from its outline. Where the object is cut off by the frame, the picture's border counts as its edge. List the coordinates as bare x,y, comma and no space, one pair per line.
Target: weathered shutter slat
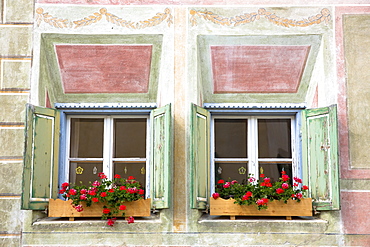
199,151
161,156
40,175
320,156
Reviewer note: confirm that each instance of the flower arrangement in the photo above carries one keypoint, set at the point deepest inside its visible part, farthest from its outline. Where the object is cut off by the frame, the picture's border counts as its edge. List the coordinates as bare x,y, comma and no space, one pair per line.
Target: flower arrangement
260,192
113,193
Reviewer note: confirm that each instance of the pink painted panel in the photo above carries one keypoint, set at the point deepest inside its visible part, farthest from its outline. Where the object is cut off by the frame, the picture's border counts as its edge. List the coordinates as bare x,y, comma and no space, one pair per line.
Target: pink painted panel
257,69
355,212
346,171
104,68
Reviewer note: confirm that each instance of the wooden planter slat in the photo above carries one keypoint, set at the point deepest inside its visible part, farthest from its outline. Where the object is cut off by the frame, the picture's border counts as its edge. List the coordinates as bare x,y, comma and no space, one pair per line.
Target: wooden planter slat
224,207
60,208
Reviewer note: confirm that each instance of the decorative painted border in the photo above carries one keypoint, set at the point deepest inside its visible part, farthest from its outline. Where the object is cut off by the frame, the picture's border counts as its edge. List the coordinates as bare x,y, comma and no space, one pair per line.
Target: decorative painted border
245,18
42,16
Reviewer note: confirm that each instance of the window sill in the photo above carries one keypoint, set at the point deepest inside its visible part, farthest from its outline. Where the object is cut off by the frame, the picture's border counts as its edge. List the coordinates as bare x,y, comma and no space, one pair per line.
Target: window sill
91,221
212,218
257,224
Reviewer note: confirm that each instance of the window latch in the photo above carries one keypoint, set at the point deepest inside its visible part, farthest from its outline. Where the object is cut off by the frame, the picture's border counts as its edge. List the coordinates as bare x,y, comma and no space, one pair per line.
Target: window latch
154,211
206,210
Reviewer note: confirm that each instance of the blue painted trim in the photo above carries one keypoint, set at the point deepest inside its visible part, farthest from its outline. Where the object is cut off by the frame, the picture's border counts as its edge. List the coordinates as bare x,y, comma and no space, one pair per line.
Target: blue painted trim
84,106
62,150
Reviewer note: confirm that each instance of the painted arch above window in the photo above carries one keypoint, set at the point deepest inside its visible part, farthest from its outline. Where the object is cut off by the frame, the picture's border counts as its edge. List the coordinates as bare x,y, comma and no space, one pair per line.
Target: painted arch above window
257,68
99,68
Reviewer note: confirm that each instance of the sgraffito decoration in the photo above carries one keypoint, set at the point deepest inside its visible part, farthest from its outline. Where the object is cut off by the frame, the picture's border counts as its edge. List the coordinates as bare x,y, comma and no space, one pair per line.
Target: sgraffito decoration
245,18
42,16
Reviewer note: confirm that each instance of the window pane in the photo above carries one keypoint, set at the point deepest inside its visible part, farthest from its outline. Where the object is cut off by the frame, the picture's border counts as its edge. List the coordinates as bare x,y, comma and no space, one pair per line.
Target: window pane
231,171
231,138
273,169
274,138
137,169
84,172
87,138
130,138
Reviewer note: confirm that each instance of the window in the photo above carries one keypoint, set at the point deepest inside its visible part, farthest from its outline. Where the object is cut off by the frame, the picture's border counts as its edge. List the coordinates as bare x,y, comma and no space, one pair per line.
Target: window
75,143
109,144
244,145
229,142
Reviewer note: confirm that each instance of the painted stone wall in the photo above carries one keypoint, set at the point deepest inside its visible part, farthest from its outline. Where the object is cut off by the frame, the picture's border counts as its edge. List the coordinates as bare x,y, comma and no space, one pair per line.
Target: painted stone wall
335,72
16,18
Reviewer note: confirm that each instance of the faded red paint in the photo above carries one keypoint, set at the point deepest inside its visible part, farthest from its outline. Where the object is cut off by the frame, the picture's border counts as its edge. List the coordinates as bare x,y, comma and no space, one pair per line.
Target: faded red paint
346,171
104,68
315,100
257,69
47,100
355,212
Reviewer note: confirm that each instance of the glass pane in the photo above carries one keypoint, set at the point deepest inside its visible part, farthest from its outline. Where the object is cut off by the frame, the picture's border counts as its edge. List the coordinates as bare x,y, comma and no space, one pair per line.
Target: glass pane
87,138
126,169
130,138
273,169
274,138
84,172
231,171
231,138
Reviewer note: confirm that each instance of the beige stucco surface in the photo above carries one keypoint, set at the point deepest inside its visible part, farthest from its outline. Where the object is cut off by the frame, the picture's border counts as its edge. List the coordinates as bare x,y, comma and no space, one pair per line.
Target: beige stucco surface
180,83
357,54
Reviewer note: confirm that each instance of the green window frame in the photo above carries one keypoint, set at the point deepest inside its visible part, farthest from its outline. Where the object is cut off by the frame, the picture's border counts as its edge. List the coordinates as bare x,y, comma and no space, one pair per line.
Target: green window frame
319,145
41,158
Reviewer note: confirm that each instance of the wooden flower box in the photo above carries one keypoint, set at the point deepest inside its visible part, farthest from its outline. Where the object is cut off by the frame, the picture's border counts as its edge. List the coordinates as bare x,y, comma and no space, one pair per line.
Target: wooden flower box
224,207
60,208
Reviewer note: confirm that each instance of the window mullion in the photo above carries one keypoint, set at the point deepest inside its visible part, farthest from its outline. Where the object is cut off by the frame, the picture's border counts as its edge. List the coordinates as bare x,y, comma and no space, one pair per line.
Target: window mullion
294,138
212,156
107,146
253,147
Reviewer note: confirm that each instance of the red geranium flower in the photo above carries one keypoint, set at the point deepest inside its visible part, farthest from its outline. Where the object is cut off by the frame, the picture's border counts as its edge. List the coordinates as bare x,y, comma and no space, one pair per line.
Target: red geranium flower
72,192
117,176
103,194
65,185
304,187
106,211
279,190
131,178
215,195
285,177
130,220
91,192
262,202
95,199
111,222
122,207
221,181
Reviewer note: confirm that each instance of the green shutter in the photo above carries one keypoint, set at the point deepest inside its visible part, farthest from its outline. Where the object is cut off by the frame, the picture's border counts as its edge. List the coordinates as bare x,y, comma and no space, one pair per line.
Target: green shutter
200,155
161,156
40,175
320,156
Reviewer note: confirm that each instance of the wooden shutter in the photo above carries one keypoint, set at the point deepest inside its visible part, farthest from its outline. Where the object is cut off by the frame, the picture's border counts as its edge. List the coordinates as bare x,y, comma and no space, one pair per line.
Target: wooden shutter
40,175
200,156
161,156
320,156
